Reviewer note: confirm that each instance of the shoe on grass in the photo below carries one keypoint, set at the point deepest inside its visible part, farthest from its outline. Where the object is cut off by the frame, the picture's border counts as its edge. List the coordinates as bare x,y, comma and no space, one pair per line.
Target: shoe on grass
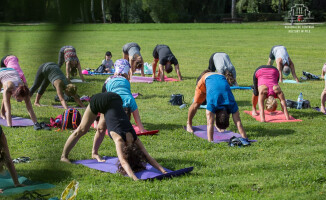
44,126
37,126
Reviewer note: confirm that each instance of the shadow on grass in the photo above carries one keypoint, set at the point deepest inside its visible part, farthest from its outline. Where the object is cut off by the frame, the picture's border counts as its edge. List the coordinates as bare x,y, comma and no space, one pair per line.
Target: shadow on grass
170,163
48,175
301,114
160,127
262,131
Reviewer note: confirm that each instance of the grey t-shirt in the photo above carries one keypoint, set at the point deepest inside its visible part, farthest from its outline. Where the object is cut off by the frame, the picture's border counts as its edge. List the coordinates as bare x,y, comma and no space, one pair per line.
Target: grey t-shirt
222,63
53,72
131,49
279,52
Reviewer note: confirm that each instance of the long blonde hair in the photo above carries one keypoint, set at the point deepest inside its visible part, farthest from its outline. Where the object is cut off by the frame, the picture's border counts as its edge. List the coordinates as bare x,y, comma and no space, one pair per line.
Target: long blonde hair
271,104
229,77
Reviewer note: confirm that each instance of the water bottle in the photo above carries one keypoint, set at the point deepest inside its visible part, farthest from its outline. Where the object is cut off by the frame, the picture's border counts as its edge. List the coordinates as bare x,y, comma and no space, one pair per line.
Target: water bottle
182,106
300,101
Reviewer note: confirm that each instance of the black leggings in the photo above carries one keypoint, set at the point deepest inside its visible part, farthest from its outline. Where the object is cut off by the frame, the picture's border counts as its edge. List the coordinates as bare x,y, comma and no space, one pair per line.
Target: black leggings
41,81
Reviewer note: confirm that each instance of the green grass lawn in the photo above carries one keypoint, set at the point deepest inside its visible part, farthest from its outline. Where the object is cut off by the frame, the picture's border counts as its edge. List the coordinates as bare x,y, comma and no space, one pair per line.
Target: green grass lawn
287,162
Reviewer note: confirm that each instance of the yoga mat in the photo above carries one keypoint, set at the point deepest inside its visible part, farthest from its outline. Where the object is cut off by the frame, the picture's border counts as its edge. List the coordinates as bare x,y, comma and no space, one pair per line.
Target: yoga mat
17,122
140,79
218,137
8,187
135,95
278,117
138,132
110,165
318,109
60,106
77,81
289,81
240,88
166,79
95,73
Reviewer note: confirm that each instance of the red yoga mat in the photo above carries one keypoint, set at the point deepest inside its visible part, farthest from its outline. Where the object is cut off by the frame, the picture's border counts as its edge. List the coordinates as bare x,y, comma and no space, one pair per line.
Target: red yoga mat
166,79
277,117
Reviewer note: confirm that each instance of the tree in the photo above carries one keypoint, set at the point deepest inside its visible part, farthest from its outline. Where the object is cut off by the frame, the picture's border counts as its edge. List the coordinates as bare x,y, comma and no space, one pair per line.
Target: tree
92,11
233,9
103,10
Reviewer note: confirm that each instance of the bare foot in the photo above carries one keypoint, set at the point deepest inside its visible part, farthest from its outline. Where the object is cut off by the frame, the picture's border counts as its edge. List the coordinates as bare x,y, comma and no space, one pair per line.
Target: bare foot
37,104
3,116
189,129
322,109
64,159
98,158
254,113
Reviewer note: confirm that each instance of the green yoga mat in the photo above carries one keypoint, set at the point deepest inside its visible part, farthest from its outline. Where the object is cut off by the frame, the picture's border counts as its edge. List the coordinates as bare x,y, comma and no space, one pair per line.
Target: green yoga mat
8,187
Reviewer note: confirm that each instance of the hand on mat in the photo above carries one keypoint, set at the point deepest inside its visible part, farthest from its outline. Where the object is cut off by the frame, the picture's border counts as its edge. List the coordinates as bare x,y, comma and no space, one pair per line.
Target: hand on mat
98,158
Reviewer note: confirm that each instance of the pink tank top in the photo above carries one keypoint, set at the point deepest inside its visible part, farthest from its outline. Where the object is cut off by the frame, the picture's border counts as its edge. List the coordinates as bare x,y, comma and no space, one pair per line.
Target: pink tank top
12,62
268,77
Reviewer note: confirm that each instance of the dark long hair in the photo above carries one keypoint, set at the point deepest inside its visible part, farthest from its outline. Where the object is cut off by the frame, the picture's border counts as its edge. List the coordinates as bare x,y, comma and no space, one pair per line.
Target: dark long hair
229,77
21,91
202,74
135,157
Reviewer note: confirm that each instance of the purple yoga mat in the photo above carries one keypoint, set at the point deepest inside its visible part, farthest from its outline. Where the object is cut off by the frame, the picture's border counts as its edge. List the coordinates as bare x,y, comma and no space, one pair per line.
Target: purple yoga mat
17,121
60,106
140,79
218,137
318,109
110,165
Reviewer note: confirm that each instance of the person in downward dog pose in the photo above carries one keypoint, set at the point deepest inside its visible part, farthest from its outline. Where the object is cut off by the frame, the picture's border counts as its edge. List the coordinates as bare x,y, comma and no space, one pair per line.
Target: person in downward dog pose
68,55
283,62
51,73
221,63
266,87
14,87
131,52
131,152
119,83
163,54
216,90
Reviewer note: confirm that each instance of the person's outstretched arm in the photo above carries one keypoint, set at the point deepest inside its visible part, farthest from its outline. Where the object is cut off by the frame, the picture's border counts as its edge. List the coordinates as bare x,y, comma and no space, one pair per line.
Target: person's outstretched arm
78,101
80,72
142,71
154,64
138,121
283,104
149,158
161,72
6,99
293,71
61,97
261,99
210,125
30,109
177,69
68,71
237,122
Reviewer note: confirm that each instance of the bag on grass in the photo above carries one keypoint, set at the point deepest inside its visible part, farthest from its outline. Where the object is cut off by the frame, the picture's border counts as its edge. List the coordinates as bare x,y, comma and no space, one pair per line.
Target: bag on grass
176,99
294,104
57,122
100,69
71,119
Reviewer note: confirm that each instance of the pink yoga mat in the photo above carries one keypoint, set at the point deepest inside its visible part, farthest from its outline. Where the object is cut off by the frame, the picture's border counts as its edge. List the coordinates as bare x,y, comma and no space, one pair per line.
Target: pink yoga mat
139,133
277,117
140,79
218,137
17,122
166,79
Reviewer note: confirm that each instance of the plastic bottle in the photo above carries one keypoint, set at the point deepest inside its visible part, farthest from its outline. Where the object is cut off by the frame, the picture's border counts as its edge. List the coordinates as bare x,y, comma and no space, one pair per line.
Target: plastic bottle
300,101
182,106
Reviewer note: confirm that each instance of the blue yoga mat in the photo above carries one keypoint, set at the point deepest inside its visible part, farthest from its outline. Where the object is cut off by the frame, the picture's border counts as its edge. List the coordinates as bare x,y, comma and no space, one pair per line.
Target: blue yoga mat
8,187
289,81
240,88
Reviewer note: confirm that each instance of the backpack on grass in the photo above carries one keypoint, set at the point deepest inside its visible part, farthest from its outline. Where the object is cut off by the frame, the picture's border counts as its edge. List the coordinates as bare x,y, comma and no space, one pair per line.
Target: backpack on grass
70,119
176,99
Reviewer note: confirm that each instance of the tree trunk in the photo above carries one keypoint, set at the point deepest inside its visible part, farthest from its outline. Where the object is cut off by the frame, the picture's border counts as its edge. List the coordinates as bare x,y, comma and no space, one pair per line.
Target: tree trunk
92,10
233,9
82,11
58,5
103,11
279,6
